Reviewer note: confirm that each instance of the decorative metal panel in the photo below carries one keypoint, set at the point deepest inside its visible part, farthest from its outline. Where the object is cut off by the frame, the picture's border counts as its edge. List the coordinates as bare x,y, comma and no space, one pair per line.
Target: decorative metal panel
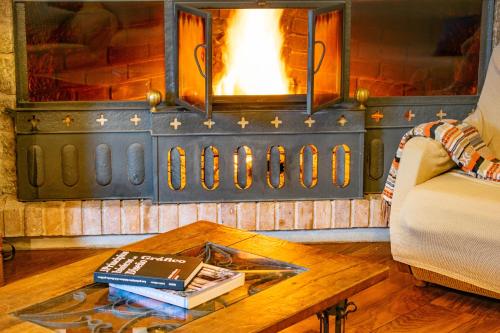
231,189
86,166
254,159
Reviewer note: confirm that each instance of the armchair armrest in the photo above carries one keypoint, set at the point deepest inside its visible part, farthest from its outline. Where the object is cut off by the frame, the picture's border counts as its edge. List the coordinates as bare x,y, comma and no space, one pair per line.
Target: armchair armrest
422,159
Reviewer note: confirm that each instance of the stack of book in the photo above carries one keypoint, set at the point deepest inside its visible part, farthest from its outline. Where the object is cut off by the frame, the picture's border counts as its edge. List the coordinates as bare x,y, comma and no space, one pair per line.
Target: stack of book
178,280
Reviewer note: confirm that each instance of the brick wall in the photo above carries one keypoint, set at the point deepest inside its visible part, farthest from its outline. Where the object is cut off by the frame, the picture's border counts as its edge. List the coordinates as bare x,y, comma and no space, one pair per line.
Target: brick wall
295,25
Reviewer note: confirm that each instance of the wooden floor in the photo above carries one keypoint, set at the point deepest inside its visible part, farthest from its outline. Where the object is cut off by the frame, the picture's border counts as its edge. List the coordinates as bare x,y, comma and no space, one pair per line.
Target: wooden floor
394,305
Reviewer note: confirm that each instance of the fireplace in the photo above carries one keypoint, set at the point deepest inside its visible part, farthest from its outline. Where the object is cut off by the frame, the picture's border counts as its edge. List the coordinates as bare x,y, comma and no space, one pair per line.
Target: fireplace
246,100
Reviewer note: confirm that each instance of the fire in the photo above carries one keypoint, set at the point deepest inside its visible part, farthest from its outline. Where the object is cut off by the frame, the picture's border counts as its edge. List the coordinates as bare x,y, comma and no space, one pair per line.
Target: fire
252,55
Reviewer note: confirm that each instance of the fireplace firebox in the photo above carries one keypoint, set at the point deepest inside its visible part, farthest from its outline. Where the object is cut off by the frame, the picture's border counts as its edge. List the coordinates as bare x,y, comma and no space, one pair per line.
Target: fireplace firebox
241,55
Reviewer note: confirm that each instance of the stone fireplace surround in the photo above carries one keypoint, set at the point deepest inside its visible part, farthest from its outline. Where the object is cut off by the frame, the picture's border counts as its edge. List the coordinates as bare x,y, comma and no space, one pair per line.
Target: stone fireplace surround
114,217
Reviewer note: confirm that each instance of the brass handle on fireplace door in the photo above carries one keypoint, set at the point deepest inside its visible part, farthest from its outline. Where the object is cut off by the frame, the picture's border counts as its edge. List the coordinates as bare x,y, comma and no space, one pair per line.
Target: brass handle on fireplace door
196,58
322,55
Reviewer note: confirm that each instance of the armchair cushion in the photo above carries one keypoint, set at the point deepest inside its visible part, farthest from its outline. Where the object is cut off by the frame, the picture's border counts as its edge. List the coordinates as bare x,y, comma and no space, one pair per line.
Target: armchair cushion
451,225
486,118
424,158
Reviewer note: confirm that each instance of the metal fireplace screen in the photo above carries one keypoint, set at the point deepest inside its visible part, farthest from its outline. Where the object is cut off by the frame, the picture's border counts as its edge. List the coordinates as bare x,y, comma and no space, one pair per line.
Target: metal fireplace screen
236,54
90,51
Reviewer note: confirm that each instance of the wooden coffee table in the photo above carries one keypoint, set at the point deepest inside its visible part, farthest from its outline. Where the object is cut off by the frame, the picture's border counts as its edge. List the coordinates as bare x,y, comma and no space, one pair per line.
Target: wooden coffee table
1,261
323,289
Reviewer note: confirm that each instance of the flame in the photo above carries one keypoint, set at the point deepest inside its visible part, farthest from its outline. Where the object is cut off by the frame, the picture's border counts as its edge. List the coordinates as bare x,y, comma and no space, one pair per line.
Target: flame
252,55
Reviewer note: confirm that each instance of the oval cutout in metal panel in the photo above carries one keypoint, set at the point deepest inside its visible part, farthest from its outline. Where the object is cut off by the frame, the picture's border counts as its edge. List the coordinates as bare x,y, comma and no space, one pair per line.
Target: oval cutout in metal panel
135,164
341,165
308,166
242,164
176,160
376,159
103,170
276,167
36,166
69,165
210,168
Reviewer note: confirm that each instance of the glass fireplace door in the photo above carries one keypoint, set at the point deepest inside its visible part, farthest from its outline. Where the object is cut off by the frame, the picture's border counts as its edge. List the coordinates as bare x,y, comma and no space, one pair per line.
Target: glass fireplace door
193,35
325,57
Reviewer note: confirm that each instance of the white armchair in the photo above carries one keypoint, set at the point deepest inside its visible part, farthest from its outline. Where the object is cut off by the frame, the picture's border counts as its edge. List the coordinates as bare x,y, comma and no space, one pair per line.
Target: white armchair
445,225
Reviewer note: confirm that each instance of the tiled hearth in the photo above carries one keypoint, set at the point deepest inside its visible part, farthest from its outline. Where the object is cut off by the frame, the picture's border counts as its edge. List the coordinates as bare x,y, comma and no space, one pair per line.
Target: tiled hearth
114,217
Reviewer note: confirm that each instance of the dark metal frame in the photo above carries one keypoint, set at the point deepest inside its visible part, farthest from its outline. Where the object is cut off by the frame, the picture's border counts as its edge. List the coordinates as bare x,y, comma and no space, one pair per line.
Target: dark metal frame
207,17
284,101
344,81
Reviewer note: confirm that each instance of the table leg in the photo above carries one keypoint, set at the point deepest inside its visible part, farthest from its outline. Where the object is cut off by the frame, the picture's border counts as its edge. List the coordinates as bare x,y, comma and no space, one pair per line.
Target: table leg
340,311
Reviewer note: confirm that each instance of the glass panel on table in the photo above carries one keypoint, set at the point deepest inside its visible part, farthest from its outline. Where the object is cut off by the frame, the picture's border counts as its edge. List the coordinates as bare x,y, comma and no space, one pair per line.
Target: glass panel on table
415,47
91,51
96,308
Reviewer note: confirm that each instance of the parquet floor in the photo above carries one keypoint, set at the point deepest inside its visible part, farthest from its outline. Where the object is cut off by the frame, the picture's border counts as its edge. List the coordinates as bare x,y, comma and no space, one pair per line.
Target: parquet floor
395,305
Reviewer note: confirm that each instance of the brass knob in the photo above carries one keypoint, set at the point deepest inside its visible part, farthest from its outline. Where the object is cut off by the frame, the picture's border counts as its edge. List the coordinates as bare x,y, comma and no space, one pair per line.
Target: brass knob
153,97
362,96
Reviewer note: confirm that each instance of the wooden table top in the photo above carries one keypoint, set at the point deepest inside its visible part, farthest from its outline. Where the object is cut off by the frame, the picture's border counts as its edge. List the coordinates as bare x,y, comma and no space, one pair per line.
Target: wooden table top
329,279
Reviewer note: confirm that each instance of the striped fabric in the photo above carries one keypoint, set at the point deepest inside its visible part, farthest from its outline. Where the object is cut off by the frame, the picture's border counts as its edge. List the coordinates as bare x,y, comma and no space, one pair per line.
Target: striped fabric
464,146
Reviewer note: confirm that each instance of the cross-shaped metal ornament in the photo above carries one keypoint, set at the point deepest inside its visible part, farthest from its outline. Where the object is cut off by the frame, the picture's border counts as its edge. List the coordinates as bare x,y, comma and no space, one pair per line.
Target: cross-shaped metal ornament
441,114
34,121
342,121
377,116
175,124
276,122
101,120
409,115
309,122
136,120
209,123
243,122
67,120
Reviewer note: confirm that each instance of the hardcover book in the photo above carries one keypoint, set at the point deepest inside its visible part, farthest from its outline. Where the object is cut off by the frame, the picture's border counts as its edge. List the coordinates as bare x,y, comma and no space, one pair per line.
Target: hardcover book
209,283
148,270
